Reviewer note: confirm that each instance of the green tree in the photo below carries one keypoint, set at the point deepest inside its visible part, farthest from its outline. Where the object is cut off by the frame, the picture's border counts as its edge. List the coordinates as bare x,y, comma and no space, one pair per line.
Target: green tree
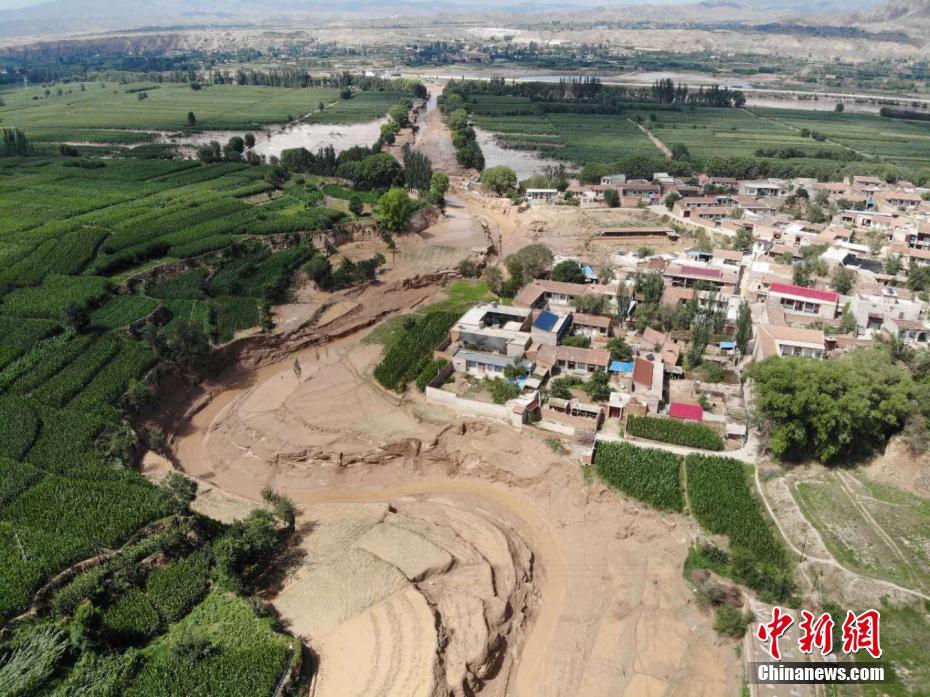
592,173
493,277
612,198
568,271
649,287
502,391
680,151
529,262
356,207
191,119
117,443
377,172
893,264
249,140
743,240
743,328
516,370
577,341
438,185
592,304
500,180
75,317
918,278
400,115
619,349
184,343
843,280
671,199
395,210
597,386
834,410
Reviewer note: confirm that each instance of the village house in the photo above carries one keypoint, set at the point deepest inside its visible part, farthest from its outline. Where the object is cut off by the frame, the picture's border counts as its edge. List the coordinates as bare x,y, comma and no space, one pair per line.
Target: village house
772,340
804,301
911,332
570,360
541,196
592,326
765,188
873,307
688,275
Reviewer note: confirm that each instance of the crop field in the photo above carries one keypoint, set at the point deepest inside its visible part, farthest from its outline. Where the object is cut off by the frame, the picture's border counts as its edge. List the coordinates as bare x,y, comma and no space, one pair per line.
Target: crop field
902,142
722,500
363,106
575,138
692,435
652,476
68,236
872,528
109,106
249,659
581,138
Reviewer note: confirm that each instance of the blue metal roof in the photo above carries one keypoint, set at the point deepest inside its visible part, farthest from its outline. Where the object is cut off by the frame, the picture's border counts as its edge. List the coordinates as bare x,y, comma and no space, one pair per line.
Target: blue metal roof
727,344
620,367
588,272
546,321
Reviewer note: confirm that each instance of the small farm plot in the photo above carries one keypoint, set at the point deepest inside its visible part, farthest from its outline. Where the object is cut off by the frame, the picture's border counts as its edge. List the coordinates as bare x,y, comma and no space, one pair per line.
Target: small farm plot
652,476
722,500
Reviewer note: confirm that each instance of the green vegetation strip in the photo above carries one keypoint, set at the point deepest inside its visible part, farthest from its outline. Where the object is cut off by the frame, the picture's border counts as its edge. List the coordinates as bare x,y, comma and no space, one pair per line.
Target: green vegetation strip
692,435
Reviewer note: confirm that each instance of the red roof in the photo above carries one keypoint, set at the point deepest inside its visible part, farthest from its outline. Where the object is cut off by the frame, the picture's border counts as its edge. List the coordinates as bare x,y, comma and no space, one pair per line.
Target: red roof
642,372
802,292
688,412
701,271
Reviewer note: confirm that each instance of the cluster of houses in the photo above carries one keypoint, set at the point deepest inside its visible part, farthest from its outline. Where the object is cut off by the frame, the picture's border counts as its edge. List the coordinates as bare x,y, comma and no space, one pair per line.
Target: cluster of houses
809,315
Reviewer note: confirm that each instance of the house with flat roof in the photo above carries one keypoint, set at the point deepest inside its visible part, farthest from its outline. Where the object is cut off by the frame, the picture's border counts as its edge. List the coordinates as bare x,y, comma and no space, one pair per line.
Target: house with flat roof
872,307
763,188
548,327
912,332
494,328
541,196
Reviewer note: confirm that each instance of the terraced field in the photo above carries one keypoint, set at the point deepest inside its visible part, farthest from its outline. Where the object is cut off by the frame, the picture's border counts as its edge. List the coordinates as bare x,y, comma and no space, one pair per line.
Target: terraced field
76,114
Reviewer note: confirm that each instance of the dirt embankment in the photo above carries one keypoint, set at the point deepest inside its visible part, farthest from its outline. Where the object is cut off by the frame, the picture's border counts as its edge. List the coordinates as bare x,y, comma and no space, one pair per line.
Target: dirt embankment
418,528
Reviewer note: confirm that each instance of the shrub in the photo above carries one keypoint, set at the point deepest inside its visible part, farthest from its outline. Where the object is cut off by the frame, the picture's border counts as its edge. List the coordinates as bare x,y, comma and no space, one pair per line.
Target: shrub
502,390
652,476
691,435
731,622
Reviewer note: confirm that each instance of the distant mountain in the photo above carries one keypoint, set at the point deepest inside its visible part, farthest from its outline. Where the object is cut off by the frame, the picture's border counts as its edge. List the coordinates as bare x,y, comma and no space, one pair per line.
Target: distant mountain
900,13
68,17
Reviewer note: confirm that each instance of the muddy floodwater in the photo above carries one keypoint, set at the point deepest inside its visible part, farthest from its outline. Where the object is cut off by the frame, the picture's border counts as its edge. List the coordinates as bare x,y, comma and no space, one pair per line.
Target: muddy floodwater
524,162
272,140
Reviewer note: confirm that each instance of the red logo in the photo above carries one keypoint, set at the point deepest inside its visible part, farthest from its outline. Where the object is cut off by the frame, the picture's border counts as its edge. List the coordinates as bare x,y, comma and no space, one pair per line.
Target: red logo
772,631
861,632
816,633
